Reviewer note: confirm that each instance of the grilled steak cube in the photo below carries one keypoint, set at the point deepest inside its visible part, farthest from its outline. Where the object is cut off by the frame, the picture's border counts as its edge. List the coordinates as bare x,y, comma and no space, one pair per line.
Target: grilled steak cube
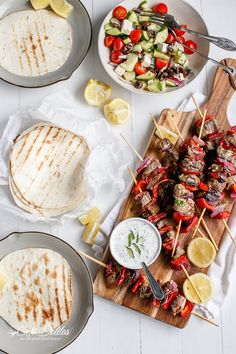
181,192
170,157
193,165
231,139
213,196
153,209
150,168
179,252
164,145
144,198
215,184
170,287
191,180
210,126
228,155
185,206
178,304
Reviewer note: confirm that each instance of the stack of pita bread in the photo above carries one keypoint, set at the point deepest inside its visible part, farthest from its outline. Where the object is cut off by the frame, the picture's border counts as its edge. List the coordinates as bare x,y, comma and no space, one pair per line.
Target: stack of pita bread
47,170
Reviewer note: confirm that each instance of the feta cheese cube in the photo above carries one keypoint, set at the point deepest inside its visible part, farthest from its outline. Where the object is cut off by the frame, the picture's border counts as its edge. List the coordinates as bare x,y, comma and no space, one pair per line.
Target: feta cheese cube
162,47
126,27
119,70
146,61
178,47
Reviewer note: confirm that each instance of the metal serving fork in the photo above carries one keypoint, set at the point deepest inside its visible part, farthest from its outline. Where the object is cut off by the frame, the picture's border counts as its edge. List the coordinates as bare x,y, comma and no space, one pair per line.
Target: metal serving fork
169,21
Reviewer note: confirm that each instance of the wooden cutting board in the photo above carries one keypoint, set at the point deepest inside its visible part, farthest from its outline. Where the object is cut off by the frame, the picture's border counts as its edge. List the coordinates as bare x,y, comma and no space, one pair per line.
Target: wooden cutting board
216,105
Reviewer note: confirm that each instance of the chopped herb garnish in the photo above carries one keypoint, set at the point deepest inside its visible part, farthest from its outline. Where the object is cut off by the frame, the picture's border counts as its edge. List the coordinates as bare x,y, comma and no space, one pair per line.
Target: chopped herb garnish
179,202
130,252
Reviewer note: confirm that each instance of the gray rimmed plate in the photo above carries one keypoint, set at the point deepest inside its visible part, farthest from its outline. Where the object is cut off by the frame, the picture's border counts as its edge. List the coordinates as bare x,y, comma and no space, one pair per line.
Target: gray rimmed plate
81,27
82,308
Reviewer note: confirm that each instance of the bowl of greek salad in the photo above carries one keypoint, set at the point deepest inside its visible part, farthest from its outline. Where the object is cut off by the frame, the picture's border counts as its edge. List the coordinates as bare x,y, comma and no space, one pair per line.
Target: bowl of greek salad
145,57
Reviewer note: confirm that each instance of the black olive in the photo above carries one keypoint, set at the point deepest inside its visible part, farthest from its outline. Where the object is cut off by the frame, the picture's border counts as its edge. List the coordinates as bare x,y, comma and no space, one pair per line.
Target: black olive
151,33
146,24
138,84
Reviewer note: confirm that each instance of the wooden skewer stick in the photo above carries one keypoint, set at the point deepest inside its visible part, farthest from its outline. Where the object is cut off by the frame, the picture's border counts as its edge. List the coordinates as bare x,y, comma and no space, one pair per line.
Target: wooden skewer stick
201,233
199,221
194,287
157,127
134,178
93,259
209,234
176,238
202,125
132,148
175,125
229,232
204,318
197,106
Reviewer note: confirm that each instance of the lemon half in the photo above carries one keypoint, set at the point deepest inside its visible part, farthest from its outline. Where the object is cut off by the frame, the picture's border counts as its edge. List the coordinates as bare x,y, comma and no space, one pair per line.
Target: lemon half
204,285
97,92
117,111
90,215
40,4
201,252
166,133
61,7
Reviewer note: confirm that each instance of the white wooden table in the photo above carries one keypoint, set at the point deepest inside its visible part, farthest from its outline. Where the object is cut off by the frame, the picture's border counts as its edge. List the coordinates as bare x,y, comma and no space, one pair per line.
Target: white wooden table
112,329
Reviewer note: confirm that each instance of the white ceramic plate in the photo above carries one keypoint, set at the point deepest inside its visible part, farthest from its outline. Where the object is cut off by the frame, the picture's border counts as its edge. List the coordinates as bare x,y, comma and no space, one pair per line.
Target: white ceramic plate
184,13
81,27
82,307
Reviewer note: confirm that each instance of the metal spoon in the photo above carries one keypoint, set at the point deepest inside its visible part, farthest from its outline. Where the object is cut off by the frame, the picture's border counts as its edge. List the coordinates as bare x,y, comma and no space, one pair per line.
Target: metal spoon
157,291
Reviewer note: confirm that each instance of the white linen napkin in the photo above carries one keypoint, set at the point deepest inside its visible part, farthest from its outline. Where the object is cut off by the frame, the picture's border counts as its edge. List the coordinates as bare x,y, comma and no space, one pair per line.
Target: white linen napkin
223,268
107,163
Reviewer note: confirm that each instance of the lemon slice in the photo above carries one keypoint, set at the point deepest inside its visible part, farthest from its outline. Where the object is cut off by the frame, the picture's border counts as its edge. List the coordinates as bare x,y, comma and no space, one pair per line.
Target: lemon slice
97,92
3,280
117,111
201,252
90,215
166,133
90,232
40,4
204,285
61,7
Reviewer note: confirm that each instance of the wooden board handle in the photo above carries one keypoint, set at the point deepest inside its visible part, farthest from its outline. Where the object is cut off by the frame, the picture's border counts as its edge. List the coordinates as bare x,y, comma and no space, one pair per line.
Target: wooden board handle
222,91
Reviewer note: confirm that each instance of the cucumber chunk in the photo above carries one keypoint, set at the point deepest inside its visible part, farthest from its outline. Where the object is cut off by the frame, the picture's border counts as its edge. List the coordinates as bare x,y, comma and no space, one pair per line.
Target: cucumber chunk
156,85
158,54
129,64
162,35
129,76
147,76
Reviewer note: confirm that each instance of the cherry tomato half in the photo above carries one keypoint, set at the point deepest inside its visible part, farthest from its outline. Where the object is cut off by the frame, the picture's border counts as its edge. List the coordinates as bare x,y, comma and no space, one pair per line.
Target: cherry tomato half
179,31
139,69
120,12
135,35
160,63
118,44
180,39
109,41
116,57
160,8
170,38
192,46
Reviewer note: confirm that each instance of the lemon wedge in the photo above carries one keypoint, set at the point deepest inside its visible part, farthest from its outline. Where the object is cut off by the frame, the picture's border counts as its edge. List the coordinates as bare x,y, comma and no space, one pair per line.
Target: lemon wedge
203,284
166,133
90,215
117,111
97,92
90,232
3,280
61,7
40,4
201,252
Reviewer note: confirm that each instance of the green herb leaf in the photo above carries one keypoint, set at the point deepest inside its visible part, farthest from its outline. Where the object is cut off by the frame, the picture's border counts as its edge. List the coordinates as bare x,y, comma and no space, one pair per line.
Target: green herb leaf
130,252
129,239
137,238
141,240
179,202
136,247
132,234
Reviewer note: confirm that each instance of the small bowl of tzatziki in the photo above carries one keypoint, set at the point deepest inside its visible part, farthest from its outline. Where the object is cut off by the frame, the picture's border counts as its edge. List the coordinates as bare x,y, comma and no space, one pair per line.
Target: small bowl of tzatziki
134,241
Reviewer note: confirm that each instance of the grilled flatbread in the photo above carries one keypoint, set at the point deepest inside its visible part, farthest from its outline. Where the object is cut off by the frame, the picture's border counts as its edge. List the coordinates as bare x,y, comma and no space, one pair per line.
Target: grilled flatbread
38,295
33,43
47,170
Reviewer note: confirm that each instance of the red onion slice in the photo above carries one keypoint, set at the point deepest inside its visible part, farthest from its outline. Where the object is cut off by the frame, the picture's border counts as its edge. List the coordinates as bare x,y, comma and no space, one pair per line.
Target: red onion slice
145,163
200,142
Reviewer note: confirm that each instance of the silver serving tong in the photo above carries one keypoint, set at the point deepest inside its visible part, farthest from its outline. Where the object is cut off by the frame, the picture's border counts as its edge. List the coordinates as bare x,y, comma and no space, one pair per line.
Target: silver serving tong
171,23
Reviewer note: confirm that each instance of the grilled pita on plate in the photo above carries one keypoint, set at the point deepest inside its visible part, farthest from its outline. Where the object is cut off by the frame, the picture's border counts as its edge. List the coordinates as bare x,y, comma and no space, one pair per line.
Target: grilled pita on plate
38,295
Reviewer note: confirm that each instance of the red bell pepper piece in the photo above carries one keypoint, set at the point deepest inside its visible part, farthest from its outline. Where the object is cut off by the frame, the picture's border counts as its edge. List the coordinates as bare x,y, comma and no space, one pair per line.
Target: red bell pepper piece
178,262
169,298
177,216
165,229
203,204
155,188
189,224
141,185
156,303
215,135
214,175
199,122
187,309
223,215
232,130
169,245
157,217
189,188
120,280
137,284
233,188
203,186
187,172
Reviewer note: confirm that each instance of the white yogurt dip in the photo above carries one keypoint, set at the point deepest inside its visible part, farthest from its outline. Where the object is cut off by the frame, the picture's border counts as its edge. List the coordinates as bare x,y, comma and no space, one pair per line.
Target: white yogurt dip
134,241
